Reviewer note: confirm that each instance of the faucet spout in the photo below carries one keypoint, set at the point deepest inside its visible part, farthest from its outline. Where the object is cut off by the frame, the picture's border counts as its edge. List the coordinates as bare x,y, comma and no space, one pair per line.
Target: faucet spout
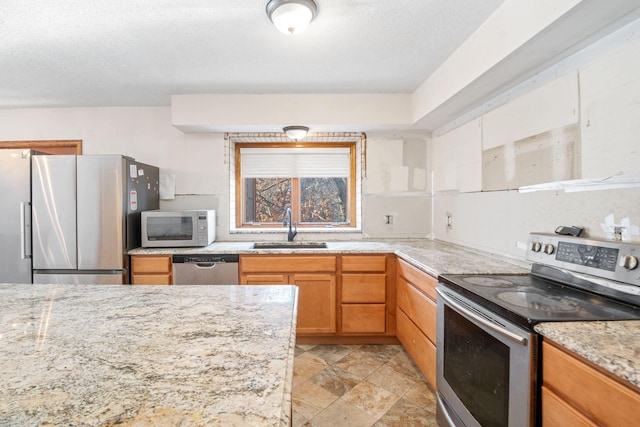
293,228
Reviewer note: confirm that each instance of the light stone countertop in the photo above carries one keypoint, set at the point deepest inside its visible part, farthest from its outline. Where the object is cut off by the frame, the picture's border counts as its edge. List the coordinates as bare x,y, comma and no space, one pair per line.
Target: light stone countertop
432,256
615,349
612,345
120,355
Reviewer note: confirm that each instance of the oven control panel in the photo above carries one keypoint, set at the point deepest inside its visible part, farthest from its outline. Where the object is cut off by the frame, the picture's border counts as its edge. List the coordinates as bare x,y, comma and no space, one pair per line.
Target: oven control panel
607,259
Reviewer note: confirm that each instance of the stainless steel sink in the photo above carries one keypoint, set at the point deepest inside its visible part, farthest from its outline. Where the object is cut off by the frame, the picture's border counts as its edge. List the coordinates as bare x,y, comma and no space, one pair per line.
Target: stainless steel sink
289,245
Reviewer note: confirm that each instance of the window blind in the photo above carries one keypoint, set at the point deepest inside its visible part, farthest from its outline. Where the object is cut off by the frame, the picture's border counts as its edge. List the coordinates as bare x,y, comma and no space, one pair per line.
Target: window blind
295,162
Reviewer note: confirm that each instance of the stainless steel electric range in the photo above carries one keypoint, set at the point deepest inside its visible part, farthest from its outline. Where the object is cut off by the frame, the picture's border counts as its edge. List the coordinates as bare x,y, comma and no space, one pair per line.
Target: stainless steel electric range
487,361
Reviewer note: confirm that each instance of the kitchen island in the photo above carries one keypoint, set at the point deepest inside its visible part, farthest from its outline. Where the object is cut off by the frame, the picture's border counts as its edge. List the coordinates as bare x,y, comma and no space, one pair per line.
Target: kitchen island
117,355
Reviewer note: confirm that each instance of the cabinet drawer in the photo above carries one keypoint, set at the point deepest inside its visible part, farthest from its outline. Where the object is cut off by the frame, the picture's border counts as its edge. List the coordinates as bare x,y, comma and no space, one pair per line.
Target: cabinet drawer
417,278
418,307
364,263
151,264
604,400
289,264
151,279
363,318
364,288
264,279
557,412
421,350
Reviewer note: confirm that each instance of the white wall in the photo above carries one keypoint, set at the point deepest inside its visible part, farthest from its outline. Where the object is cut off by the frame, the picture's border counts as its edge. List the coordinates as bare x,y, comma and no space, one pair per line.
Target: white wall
609,108
396,184
199,163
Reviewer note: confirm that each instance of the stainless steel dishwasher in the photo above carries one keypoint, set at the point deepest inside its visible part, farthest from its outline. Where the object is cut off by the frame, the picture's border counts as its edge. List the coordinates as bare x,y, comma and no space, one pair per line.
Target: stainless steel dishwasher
205,269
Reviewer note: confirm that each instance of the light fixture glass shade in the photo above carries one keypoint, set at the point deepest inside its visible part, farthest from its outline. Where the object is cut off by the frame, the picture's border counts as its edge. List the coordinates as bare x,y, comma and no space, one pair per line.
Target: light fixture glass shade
296,132
291,16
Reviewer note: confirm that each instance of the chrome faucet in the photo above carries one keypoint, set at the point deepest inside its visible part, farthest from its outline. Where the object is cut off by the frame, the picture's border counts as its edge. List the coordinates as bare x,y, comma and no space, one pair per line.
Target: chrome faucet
288,219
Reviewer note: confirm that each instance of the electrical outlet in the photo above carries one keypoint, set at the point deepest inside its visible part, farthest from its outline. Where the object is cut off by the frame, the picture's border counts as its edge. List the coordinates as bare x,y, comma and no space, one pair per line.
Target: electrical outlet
388,219
449,220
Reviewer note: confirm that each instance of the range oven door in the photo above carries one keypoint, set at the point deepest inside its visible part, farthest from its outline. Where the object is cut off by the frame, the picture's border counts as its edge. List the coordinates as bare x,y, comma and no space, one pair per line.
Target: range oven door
486,366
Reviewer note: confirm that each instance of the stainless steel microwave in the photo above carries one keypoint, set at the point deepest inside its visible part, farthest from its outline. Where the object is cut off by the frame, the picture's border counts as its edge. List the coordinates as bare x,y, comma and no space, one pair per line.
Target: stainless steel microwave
183,228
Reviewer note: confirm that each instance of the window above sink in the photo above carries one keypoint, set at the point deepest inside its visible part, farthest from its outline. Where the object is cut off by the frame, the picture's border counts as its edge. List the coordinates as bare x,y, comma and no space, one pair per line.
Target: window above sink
318,179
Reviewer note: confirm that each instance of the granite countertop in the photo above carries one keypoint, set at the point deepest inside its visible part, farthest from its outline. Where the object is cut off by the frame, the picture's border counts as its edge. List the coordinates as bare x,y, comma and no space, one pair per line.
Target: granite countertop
612,345
432,256
120,355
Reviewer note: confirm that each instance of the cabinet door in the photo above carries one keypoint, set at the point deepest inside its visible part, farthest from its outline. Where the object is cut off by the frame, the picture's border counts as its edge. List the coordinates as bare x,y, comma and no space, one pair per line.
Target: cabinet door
604,400
151,270
316,303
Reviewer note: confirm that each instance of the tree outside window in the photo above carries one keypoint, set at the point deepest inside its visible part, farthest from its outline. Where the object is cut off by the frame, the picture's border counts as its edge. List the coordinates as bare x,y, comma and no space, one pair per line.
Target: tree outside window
316,183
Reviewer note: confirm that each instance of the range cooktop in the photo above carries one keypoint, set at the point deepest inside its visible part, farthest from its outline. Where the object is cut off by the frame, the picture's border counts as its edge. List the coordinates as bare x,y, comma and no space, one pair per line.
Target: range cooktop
527,299
572,279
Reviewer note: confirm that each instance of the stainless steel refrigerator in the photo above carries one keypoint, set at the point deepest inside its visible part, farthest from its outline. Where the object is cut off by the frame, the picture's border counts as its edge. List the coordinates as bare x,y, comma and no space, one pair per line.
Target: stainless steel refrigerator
15,216
85,216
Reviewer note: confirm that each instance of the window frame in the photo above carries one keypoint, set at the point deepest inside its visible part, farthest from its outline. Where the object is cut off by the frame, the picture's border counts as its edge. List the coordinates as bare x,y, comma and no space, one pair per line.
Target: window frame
295,193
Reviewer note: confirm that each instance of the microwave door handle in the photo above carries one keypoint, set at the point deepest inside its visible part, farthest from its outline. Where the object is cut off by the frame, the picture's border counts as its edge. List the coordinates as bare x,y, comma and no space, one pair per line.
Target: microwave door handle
474,317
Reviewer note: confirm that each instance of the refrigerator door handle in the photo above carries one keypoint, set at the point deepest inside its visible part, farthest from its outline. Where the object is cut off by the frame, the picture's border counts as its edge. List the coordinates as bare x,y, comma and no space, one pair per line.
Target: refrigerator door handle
25,230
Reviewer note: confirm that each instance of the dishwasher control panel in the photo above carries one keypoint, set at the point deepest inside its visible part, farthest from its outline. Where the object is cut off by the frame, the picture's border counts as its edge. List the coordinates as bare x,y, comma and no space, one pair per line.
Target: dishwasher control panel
204,258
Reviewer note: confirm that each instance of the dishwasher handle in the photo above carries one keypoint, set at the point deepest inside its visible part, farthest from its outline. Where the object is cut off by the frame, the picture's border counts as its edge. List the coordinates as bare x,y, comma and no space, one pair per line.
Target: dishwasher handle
205,265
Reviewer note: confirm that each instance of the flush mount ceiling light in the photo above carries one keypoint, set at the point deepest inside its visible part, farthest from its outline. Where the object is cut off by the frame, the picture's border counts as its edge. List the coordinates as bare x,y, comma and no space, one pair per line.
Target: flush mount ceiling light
296,132
291,16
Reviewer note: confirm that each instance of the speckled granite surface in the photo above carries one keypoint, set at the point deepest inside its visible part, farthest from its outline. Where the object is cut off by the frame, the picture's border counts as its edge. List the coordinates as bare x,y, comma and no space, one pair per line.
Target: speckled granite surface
185,355
435,258
614,346
431,256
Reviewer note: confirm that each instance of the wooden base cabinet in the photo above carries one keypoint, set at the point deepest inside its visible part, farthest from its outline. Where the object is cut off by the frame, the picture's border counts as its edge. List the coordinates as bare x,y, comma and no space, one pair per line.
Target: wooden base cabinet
416,297
315,277
151,270
365,291
576,393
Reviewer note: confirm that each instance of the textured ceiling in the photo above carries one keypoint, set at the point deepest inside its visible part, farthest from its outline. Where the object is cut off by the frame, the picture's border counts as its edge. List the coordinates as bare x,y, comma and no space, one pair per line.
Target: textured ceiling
72,53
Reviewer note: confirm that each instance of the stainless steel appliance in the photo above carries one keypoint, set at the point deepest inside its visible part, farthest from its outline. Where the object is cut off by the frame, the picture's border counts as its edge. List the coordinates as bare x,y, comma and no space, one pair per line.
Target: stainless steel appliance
180,228
83,213
205,269
487,360
15,221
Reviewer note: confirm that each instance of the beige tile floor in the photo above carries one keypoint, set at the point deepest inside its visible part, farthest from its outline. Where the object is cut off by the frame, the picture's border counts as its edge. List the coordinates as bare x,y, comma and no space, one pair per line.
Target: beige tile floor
359,385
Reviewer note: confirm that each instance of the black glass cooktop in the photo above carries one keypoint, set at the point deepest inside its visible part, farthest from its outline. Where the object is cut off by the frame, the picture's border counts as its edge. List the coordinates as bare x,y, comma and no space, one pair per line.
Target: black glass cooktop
527,299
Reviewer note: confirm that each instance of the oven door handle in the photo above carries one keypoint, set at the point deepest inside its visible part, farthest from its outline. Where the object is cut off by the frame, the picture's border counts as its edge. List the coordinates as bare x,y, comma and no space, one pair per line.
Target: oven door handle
474,317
